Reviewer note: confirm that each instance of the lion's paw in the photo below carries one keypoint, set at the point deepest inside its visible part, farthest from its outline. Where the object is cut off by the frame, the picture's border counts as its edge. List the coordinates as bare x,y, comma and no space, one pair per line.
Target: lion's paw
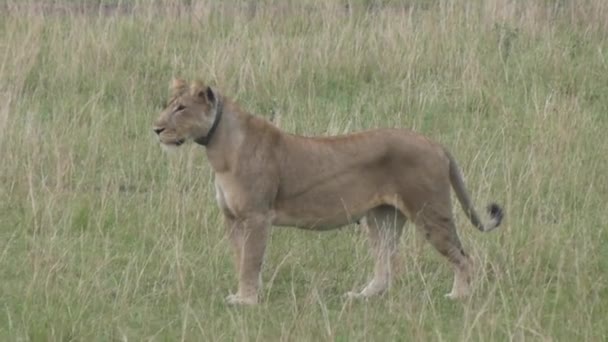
455,296
235,299
354,295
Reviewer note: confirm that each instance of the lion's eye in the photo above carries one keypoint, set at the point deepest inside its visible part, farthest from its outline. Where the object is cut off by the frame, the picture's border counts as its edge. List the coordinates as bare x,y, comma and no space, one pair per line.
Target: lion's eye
180,108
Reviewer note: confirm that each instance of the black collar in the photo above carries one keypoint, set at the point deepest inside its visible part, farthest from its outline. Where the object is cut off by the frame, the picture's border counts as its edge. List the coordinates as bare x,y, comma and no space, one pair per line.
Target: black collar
218,115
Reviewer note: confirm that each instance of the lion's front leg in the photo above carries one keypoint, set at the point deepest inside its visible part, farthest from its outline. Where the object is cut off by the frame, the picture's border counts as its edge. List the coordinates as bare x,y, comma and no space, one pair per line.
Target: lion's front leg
252,235
235,234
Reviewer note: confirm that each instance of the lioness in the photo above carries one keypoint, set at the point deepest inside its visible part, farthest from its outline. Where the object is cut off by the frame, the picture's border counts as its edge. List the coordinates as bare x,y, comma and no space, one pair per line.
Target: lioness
264,176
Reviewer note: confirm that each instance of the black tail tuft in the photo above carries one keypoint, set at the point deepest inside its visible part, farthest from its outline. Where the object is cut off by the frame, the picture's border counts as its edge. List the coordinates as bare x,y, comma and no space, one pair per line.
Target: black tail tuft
496,213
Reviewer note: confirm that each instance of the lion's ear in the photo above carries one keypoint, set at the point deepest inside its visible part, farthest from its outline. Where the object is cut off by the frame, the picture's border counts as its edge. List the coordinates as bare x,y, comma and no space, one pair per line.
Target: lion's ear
178,86
205,94
210,95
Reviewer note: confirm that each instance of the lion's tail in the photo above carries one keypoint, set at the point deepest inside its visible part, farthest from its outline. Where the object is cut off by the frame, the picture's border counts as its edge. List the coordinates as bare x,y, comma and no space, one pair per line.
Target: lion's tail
495,211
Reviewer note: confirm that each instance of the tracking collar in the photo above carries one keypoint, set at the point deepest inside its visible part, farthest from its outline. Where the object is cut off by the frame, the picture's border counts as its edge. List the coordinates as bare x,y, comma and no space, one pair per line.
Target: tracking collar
218,115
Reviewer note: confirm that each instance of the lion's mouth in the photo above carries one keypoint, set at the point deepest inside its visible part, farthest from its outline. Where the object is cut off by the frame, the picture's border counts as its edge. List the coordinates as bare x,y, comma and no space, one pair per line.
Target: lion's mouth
171,142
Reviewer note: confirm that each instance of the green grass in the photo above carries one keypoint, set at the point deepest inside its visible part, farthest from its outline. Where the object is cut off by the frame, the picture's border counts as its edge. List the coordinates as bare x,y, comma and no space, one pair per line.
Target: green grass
105,237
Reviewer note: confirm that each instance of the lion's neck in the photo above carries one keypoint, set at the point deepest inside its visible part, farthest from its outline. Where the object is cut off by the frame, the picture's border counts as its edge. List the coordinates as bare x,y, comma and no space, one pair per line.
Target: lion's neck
228,136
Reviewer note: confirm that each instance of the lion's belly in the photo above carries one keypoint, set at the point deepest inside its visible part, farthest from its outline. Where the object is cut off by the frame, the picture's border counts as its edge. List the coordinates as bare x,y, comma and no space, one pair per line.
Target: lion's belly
324,210
314,222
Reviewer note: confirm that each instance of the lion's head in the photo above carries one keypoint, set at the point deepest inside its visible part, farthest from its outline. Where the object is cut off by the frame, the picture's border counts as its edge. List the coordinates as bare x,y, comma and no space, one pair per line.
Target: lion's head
190,114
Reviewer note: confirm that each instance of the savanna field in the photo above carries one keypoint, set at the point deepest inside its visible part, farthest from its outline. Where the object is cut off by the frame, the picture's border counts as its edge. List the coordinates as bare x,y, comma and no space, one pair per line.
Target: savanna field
106,237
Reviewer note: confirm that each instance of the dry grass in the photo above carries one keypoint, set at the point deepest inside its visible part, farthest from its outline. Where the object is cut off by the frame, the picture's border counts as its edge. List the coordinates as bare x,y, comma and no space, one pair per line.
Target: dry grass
105,237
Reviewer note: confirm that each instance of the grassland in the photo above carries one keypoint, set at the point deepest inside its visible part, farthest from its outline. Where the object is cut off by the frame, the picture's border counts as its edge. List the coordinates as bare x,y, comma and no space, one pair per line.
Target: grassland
104,237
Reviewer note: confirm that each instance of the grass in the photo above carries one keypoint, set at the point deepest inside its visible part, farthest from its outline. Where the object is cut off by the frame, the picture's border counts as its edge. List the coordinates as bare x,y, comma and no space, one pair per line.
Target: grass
105,237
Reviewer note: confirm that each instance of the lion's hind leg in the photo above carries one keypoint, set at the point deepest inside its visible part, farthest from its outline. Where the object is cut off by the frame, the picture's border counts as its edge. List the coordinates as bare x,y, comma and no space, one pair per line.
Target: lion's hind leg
439,229
384,225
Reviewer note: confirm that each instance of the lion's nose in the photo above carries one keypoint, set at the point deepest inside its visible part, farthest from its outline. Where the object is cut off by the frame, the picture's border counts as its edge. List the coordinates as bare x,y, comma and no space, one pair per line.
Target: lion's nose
158,130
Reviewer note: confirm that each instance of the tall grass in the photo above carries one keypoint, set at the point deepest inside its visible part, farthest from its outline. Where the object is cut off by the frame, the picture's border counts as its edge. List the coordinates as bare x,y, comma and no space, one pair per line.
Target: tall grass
105,237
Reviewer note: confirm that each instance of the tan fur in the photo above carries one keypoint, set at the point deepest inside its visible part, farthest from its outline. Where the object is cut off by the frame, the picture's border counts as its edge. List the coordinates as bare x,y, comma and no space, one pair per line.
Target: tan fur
265,177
